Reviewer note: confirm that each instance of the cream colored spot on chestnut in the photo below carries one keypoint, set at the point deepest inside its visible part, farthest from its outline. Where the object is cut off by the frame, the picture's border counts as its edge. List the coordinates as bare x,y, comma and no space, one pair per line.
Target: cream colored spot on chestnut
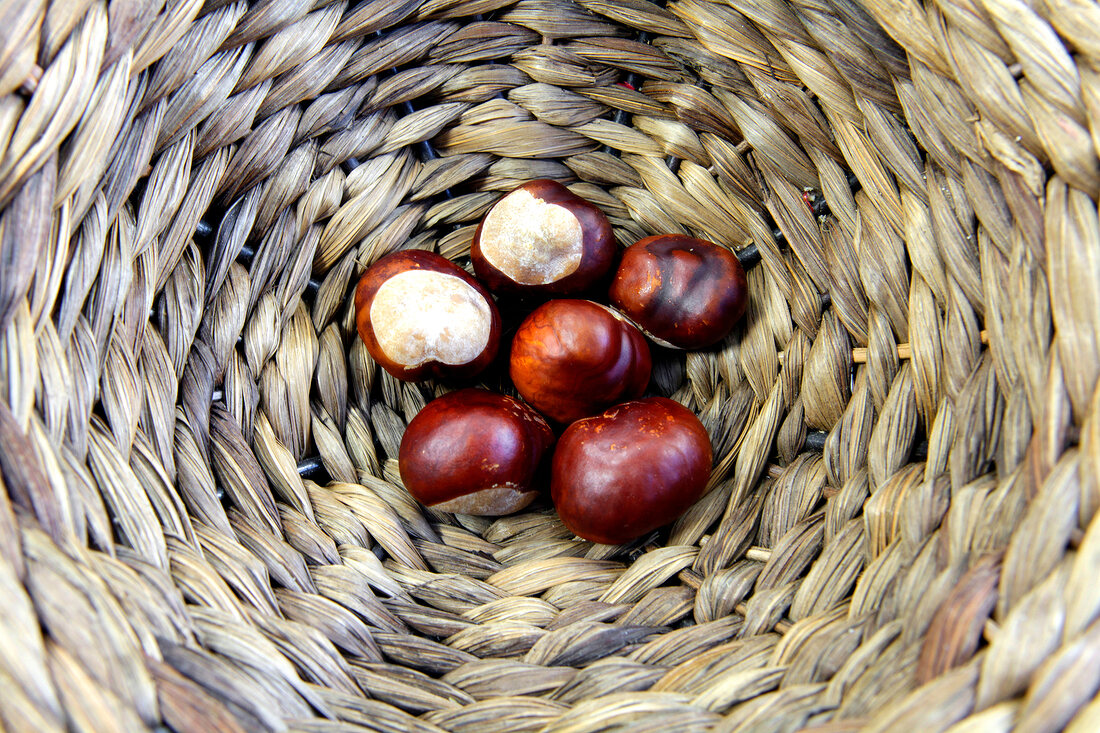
531,241
421,315
494,502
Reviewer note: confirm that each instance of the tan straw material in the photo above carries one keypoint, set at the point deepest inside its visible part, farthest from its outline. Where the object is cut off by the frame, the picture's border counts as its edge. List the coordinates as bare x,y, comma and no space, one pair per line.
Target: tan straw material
202,523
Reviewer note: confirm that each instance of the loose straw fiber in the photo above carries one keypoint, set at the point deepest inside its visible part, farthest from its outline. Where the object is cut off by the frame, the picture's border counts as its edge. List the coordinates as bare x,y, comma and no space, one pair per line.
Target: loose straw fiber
201,522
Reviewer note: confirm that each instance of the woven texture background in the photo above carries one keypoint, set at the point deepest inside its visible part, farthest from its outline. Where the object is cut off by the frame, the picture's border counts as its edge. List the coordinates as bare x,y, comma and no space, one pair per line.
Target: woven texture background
201,522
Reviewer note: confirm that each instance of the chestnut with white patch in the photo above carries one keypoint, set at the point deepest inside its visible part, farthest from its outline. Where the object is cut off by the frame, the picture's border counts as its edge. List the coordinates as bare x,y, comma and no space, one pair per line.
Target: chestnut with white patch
543,239
422,316
473,451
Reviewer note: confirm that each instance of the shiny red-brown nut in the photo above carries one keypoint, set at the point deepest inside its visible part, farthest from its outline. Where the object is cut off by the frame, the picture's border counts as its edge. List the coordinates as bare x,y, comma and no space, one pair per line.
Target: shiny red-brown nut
572,358
682,291
629,470
422,316
543,239
473,451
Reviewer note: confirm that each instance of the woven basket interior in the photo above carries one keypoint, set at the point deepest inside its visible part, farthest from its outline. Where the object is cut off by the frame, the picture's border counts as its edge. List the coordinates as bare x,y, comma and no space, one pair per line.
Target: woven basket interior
202,525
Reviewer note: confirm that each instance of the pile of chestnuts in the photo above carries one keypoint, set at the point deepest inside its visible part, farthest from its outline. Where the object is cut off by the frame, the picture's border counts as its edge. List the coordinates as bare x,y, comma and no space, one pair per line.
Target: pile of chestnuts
620,464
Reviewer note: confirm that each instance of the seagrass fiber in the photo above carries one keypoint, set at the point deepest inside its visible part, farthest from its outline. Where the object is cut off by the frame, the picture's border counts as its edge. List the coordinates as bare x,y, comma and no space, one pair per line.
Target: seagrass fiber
202,522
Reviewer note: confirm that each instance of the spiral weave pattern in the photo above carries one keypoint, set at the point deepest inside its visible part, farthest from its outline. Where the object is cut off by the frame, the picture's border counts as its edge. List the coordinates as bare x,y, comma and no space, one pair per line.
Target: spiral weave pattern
202,526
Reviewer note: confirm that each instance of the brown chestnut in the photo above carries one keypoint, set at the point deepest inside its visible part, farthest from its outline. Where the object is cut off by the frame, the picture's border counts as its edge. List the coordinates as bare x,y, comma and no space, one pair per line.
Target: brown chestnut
422,316
543,238
683,292
473,451
572,358
629,470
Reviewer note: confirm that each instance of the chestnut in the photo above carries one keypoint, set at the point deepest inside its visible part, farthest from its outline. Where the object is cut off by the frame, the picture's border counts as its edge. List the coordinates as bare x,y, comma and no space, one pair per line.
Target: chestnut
629,470
473,451
683,292
572,358
543,239
422,316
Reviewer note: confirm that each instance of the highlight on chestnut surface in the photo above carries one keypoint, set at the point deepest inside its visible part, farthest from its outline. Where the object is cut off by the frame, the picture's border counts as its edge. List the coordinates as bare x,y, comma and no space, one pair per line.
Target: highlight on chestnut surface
422,316
633,468
572,358
542,238
684,292
473,451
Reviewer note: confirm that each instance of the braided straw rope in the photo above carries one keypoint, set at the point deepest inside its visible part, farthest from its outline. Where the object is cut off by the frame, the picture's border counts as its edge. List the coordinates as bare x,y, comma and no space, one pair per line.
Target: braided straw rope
201,522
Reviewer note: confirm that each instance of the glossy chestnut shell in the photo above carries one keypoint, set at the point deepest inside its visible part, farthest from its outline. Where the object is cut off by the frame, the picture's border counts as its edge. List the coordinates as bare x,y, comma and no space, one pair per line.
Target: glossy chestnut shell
422,316
572,358
683,292
473,451
629,470
543,239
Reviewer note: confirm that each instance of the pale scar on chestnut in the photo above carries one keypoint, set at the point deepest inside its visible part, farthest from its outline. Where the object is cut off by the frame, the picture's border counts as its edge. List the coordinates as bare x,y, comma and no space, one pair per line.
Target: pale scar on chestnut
531,241
421,315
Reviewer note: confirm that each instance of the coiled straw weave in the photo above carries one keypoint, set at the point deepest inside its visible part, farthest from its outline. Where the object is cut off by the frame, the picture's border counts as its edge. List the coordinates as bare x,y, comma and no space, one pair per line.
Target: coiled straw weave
201,523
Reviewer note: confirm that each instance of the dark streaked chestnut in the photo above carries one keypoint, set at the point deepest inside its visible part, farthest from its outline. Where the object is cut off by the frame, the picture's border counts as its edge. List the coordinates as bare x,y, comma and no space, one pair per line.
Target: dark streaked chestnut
629,470
543,239
683,292
572,358
473,451
422,316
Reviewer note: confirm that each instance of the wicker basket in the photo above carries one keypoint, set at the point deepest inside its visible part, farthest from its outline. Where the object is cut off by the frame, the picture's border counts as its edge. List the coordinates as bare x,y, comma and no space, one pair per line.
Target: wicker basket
201,522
